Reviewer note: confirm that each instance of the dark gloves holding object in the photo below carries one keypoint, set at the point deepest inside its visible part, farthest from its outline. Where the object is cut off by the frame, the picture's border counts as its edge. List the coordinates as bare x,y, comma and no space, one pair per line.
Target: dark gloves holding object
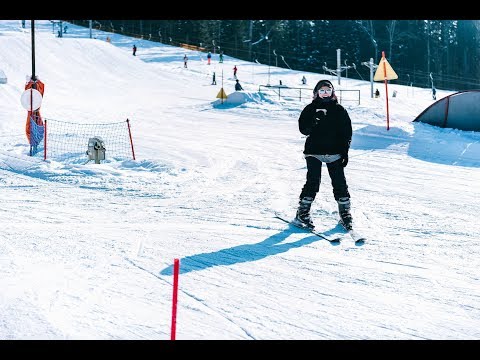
319,116
344,154
344,159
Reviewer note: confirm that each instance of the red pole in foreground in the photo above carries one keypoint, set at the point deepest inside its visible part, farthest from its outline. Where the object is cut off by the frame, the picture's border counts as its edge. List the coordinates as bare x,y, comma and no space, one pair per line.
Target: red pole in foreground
176,267
131,141
386,88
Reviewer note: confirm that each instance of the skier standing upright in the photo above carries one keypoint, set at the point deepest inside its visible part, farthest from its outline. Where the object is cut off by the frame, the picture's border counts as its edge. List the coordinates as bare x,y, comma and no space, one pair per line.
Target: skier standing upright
329,132
34,126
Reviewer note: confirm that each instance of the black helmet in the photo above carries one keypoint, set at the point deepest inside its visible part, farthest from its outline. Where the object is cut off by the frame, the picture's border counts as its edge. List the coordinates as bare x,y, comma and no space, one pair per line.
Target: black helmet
321,83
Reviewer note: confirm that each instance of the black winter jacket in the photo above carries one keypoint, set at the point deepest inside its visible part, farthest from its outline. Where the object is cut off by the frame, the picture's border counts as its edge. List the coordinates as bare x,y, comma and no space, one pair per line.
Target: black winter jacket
328,128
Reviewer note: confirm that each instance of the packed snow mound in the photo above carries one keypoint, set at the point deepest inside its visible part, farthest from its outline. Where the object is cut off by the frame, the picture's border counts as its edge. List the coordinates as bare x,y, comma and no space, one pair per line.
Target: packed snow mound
240,97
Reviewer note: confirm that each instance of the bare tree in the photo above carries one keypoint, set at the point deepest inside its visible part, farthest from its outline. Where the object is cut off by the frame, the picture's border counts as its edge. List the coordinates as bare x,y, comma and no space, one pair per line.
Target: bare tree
370,30
427,24
391,36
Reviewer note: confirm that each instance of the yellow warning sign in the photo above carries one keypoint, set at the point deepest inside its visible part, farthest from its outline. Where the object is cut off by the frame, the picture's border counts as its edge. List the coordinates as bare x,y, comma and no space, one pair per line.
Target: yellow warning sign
221,94
384,71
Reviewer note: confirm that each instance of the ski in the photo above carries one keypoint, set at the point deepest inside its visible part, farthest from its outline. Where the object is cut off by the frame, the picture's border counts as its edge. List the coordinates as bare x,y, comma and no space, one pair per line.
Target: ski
359,239
310,230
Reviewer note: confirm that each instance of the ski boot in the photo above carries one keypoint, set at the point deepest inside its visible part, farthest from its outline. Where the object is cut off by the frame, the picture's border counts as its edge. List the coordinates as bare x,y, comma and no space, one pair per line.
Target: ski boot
303,213
344,211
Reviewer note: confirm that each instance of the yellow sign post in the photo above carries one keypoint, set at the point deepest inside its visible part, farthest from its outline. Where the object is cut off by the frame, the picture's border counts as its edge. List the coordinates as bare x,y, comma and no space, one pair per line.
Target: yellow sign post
385,72
221,94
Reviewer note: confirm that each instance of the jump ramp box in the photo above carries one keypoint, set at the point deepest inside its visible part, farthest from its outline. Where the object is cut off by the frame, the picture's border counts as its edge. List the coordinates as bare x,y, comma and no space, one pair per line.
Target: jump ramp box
460,111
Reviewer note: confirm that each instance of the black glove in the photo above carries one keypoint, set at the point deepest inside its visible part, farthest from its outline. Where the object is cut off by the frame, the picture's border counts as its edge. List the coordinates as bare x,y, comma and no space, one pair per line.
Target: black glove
344,154
344,159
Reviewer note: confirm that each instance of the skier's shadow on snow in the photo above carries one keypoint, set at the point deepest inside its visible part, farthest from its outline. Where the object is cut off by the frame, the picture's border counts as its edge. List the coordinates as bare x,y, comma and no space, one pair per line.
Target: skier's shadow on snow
243,253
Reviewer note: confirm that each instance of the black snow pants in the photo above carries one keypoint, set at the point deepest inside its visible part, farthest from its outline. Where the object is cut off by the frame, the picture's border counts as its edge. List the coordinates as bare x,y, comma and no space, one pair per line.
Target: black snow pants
314,175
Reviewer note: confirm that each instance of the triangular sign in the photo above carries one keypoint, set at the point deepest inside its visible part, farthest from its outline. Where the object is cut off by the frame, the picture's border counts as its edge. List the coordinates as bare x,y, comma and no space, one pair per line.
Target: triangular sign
384,71
221,94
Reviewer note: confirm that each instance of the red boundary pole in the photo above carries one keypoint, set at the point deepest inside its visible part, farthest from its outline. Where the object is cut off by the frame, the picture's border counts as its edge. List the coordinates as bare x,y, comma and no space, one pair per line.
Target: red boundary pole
176,267
386,95
45,141
386,88
446,112
131,141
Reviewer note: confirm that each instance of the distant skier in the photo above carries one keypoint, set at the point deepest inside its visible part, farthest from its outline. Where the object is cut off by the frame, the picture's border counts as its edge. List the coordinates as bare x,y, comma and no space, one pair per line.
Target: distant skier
214,81
220,57
304,80
235,71
209,57
185,59
434,93
329,132
134,49
238,87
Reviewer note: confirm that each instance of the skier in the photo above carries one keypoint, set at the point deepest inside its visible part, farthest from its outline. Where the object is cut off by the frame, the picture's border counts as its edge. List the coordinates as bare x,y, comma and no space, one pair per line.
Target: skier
220,57
209,57
329,132
235,71
34,126
238,87
134,49
185,59
214,81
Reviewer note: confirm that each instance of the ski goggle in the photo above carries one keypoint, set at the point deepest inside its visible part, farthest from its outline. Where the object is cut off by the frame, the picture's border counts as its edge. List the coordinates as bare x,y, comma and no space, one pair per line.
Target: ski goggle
324,91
